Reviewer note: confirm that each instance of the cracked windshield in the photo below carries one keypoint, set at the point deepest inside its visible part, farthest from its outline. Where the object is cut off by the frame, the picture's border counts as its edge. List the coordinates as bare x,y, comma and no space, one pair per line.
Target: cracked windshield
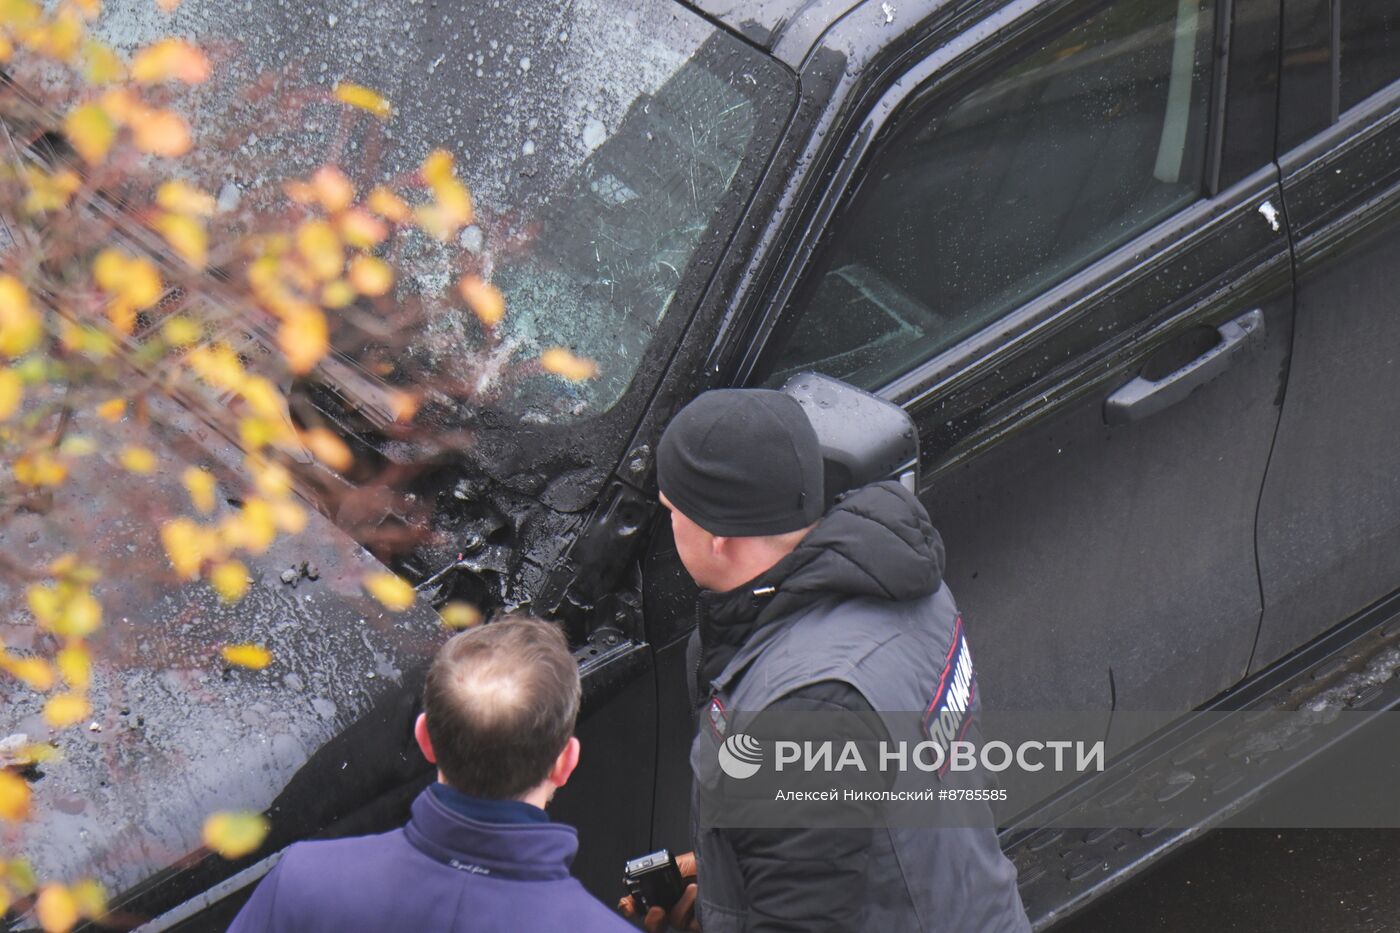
600,142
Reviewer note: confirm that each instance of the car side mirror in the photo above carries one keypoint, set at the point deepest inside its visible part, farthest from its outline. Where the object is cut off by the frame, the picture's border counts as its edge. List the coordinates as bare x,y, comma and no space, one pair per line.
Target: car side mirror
864,438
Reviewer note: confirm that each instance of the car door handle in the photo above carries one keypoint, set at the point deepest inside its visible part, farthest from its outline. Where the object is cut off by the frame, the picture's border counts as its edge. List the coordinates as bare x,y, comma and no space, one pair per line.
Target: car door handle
1143,397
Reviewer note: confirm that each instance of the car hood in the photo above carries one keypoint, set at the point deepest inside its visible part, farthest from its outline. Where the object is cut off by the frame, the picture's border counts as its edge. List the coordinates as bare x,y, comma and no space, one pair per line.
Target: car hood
176,732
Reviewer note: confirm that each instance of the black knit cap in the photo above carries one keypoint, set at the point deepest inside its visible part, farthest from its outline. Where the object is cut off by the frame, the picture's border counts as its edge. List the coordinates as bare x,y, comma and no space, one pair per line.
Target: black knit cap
742,463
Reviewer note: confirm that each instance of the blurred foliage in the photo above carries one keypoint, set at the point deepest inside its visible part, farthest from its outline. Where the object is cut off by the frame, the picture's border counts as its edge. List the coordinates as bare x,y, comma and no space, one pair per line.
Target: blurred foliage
121,279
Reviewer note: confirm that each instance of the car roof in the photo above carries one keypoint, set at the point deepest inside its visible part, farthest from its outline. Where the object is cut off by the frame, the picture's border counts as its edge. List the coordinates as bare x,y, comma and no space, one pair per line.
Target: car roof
767,22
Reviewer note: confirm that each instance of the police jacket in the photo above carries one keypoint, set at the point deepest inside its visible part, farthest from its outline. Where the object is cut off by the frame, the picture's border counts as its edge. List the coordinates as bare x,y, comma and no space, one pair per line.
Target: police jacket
461,864
855,618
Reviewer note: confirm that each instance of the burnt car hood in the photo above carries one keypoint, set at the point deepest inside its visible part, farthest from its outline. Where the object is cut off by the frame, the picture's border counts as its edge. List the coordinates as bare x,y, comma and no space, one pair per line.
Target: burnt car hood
177,733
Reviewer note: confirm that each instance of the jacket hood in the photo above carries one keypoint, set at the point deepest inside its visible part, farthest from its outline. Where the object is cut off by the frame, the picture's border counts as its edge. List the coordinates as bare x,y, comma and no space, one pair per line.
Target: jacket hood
877,541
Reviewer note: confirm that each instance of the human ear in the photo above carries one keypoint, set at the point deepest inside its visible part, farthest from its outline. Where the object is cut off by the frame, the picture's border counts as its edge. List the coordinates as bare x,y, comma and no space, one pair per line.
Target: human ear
425,742
565,764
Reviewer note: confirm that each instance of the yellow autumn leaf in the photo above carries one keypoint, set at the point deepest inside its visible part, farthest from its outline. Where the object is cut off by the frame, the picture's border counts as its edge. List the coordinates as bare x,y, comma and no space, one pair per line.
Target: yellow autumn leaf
32,672
253,528
253,657
186,237
49,192
168,6
183,198
121,104
272,480
180,331
304,339
160,132
11,392
230,580
20,325
70,569
91,898
403,405
263,397
75,664
80,615
56,909
132,279
460,615
362,97
337,294
170,59
187,545
371,276
483,298
137,459
14,797
122,315
561,362
217,365
65,709
44,602
30,753
320,247
19,12
388,205
91,131
100,64
19,875
392,591
327,448
256,433
433,221
455,202
39,468
361,229
77,445
56,38
200,485
332,189
112,409
437,167
87,340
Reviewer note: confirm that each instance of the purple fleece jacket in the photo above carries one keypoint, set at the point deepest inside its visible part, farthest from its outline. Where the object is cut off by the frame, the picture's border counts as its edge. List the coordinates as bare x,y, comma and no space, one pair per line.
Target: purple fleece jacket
442,872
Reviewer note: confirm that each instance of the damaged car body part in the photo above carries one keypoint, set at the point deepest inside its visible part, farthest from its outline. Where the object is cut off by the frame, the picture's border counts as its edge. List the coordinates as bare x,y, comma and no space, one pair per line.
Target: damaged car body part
995,216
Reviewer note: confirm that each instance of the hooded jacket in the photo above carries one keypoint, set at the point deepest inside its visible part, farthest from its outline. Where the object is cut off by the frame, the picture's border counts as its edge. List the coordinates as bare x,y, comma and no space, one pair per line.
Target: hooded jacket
855,618
444,871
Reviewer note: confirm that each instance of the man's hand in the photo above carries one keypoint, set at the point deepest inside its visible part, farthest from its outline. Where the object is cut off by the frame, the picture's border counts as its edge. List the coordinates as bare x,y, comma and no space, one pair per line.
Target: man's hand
681,916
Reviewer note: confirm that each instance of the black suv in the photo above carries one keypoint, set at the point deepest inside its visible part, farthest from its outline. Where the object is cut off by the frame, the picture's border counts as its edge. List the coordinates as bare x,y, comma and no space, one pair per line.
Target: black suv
1131,267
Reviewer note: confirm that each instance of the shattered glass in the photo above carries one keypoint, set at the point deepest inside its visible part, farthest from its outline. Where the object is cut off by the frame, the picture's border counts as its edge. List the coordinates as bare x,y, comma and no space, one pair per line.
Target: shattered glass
600,139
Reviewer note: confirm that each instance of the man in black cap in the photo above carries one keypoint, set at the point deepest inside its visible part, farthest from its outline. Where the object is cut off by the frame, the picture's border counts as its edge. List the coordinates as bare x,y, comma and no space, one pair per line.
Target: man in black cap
802,611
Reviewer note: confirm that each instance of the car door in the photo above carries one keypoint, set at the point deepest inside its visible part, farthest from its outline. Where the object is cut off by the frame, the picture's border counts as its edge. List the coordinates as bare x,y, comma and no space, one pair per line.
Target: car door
1329,519
1062,251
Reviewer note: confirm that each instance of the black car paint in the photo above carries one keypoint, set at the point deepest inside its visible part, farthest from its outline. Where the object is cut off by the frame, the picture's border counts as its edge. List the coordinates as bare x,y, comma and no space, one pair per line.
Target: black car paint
996,416
1214,261
1329,516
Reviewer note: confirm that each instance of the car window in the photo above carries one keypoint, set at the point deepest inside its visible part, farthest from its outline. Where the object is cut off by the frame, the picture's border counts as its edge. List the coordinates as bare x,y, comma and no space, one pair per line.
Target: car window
601,140
981,197
1370,47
